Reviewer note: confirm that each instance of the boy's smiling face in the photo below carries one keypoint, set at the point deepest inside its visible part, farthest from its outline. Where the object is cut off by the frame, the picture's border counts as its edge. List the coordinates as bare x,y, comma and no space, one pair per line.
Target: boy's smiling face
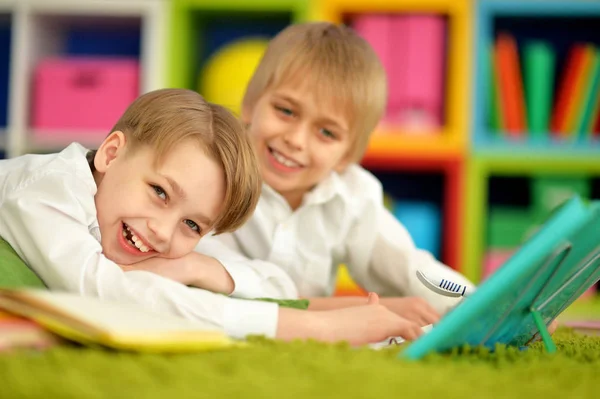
300,139
150,210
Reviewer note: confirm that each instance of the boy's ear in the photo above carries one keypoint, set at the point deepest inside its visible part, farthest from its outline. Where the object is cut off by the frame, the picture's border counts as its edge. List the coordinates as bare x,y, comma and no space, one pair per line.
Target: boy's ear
112,147
246,115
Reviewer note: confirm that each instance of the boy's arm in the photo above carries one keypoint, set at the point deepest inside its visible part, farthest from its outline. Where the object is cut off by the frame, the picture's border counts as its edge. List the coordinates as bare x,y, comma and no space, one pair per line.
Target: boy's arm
252,278
46,222
47,225
194,269
387,261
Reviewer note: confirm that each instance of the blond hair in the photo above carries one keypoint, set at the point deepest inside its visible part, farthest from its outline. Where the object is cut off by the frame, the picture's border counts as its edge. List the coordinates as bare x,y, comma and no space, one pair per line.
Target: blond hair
165,118
343,67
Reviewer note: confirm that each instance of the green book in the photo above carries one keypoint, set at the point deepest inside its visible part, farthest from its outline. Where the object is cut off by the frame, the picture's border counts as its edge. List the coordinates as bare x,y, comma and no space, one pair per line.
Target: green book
582,127
495,118
539,68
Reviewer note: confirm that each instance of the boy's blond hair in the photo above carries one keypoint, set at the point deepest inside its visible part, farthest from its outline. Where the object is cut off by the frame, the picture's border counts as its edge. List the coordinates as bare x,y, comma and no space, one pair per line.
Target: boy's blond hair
165,118
342,67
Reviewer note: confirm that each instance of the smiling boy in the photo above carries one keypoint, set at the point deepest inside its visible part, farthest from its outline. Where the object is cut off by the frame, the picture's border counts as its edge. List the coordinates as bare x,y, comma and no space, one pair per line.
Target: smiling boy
310,107
173,168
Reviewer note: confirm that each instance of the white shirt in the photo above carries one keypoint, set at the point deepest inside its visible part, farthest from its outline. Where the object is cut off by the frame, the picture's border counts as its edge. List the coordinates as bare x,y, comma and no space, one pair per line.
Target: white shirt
48,215
342,220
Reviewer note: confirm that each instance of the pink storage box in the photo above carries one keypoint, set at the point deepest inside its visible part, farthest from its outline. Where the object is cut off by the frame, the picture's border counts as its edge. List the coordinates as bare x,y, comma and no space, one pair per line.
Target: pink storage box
494,259
82,94
417,80
376,30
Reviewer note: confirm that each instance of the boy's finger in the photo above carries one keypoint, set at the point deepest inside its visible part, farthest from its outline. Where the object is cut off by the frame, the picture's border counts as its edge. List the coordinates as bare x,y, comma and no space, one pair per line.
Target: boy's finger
373,299
430,318
410,330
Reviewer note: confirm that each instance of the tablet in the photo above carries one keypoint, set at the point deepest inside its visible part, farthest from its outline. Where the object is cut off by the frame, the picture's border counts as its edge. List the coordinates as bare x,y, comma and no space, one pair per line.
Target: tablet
544,276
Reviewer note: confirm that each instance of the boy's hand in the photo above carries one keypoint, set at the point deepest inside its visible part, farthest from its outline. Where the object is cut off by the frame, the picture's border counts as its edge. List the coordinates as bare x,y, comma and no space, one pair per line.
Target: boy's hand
359,325
412,308
193,269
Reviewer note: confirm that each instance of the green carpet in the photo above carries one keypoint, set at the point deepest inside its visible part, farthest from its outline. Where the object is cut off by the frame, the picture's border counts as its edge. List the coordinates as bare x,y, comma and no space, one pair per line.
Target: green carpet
270,369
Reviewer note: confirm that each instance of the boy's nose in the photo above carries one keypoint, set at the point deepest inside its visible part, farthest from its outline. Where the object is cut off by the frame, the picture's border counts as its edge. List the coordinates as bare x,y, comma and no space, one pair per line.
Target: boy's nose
296,138
161,232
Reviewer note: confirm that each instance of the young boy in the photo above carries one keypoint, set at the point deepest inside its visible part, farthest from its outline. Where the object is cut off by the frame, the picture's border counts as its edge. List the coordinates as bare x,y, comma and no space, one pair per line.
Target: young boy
173,168
310,108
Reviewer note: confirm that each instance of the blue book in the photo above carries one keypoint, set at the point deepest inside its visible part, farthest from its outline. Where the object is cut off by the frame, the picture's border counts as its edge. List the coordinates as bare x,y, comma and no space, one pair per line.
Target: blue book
550,271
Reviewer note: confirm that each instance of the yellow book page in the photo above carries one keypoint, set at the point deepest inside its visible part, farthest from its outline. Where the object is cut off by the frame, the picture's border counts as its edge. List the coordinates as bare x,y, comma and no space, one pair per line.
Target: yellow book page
120,326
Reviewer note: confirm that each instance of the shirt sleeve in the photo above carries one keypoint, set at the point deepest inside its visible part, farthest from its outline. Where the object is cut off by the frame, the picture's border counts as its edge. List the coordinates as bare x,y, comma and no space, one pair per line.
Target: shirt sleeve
253,278
46,221
383,258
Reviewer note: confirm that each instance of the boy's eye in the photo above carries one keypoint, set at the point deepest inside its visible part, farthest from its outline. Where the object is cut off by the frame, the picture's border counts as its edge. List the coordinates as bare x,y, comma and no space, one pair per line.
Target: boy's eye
327,133
285,111
192,225
160,192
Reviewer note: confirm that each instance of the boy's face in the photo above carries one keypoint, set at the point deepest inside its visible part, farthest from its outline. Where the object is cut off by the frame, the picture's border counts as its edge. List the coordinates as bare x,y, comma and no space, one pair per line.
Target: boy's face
147,210
300,139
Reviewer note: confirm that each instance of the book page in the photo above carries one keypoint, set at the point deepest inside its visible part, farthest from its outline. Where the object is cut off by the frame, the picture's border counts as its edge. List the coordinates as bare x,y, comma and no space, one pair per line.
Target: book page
103,316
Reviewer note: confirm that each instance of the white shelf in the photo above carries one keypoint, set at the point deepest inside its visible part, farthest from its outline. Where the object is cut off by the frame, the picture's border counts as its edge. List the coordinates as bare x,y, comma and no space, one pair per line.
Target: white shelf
39,29
54,140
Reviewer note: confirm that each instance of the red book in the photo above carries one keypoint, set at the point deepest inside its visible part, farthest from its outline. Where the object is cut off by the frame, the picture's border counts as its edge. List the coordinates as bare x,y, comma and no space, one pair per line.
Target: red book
566,90
510,85
596,127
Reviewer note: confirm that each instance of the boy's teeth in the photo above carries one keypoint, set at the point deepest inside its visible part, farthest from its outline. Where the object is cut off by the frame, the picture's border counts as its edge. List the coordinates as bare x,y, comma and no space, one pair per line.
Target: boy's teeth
285,161
139,244
136,241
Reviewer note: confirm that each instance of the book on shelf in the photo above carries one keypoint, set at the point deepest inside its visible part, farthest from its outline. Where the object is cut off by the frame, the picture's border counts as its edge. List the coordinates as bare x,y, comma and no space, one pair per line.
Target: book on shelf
530,103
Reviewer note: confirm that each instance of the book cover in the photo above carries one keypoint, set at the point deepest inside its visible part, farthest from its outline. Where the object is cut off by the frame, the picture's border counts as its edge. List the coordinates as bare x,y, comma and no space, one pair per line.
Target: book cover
417,78
589,103
539,61
566,90
510,85
581,83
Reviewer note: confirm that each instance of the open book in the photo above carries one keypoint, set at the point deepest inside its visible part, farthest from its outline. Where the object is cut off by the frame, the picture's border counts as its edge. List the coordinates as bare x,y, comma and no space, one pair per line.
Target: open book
116,325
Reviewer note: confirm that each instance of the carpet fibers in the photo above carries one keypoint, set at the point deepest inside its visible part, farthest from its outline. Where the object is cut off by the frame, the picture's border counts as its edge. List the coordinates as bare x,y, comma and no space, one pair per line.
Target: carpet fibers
269,369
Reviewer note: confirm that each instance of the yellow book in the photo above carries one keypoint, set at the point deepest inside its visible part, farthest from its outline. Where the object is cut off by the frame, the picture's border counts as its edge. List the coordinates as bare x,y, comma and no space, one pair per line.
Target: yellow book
92,321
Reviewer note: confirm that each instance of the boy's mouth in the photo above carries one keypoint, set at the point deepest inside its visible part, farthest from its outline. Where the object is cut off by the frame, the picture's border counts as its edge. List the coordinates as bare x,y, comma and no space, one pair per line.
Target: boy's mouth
134,240
282,159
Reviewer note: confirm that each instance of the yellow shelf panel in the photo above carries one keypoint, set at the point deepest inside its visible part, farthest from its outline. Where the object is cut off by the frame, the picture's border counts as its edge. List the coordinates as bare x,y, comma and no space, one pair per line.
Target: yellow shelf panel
458,67
426,146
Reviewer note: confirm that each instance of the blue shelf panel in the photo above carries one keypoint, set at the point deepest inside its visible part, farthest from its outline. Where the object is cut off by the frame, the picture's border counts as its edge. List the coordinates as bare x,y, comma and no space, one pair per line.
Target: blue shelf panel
92,41
568,8
486,141
418,202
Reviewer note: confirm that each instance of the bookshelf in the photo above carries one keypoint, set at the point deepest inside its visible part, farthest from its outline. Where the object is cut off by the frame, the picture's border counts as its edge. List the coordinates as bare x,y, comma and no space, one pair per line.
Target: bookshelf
37,29
200,27
520,167
435,152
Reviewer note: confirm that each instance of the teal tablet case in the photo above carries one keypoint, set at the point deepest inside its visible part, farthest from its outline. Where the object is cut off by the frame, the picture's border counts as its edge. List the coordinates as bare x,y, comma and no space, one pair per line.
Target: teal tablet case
551,270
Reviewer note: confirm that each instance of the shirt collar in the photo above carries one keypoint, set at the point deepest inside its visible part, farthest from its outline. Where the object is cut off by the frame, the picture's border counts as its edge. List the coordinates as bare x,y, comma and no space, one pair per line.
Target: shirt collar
333,186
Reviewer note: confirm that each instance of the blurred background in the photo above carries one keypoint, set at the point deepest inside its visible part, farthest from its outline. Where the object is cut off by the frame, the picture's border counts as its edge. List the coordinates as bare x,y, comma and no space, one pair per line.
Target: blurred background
493,116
